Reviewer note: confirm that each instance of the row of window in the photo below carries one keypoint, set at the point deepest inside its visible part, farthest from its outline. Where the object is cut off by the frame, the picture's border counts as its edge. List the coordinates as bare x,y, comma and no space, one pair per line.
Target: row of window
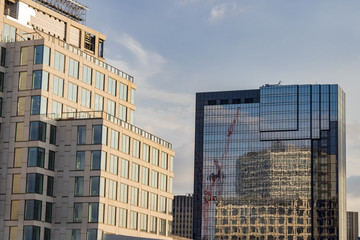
36,158
42,56
97,188
37,132
30,233
34,184
100,136
33,210
121,217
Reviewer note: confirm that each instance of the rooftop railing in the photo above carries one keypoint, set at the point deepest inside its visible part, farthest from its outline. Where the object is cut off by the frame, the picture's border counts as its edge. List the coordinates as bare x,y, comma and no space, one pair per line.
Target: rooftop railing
110,118
41,35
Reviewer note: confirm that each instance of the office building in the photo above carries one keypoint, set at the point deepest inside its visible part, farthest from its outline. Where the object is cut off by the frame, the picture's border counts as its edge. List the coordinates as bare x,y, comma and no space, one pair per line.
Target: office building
72,163
182,215
352,225
270,163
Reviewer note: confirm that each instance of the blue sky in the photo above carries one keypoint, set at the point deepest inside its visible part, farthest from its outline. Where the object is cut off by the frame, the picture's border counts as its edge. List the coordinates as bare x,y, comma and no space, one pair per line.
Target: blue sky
175,48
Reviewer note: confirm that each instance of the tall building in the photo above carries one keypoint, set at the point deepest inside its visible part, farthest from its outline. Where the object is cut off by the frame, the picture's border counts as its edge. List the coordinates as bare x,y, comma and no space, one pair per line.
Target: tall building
72,164
352,225
182,216
270,163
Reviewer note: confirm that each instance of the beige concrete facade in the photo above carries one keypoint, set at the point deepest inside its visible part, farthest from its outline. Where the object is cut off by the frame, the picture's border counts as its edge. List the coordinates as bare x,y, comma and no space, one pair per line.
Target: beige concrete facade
72,164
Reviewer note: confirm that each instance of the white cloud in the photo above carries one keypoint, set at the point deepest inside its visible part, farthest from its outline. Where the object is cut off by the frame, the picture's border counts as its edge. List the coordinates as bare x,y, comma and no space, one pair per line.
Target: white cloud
218,12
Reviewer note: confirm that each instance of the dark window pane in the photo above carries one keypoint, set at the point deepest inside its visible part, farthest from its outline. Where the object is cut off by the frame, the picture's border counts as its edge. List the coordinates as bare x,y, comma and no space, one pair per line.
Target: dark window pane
48,212
51,163
37,131
33,210
36,157
81,135
53,134
50,186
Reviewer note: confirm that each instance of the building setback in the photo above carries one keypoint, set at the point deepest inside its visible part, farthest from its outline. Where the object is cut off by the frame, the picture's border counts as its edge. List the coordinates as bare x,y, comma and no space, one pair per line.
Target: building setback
270,163
72,164
352,225
182,216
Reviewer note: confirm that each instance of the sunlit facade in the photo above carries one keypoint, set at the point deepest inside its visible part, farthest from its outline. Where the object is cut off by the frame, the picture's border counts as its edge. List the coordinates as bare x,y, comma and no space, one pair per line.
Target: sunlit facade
270,164
73,166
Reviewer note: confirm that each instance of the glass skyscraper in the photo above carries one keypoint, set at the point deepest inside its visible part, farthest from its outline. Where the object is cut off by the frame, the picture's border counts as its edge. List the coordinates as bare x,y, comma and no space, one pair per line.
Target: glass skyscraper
270,164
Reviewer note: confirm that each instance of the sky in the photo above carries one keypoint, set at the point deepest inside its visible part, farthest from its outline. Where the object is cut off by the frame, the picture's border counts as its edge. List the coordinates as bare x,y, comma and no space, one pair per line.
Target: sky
175,48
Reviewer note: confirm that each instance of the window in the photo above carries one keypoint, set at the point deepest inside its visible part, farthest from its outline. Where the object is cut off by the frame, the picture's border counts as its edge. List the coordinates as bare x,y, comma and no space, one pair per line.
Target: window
89,42
99,80
58,86
14,215
21,106
42,55
81,135
36,157
73,68
134,196
132,116
96,212
144,175
146,153
40,80
1,102
163,182
135,172
76,234
155,156
133,220
170,184
16,183
56,110
153,201
47,234
9,33
170,207
125,145
94,234
164,160
85,98
38,105
112,190
98,160
48,212
52,134
162,205
124,193
101,48
59,62
19,132
162,226
113,167
50,186
153,224
171,163
79,186
122,218
154,179
144,199
123,91
78,207
110,107
97,186
87,74
143,222
24,55
22,80
37,131
3,56
2,81
72,92
112,86
51,163
99,134
31,233
18,155
80,160
34,183
124,168
122,113
111,215
132,96
136,148
114,142
99,103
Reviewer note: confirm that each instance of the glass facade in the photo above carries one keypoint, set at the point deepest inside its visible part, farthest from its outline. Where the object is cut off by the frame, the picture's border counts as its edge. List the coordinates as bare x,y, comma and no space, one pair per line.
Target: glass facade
269,163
